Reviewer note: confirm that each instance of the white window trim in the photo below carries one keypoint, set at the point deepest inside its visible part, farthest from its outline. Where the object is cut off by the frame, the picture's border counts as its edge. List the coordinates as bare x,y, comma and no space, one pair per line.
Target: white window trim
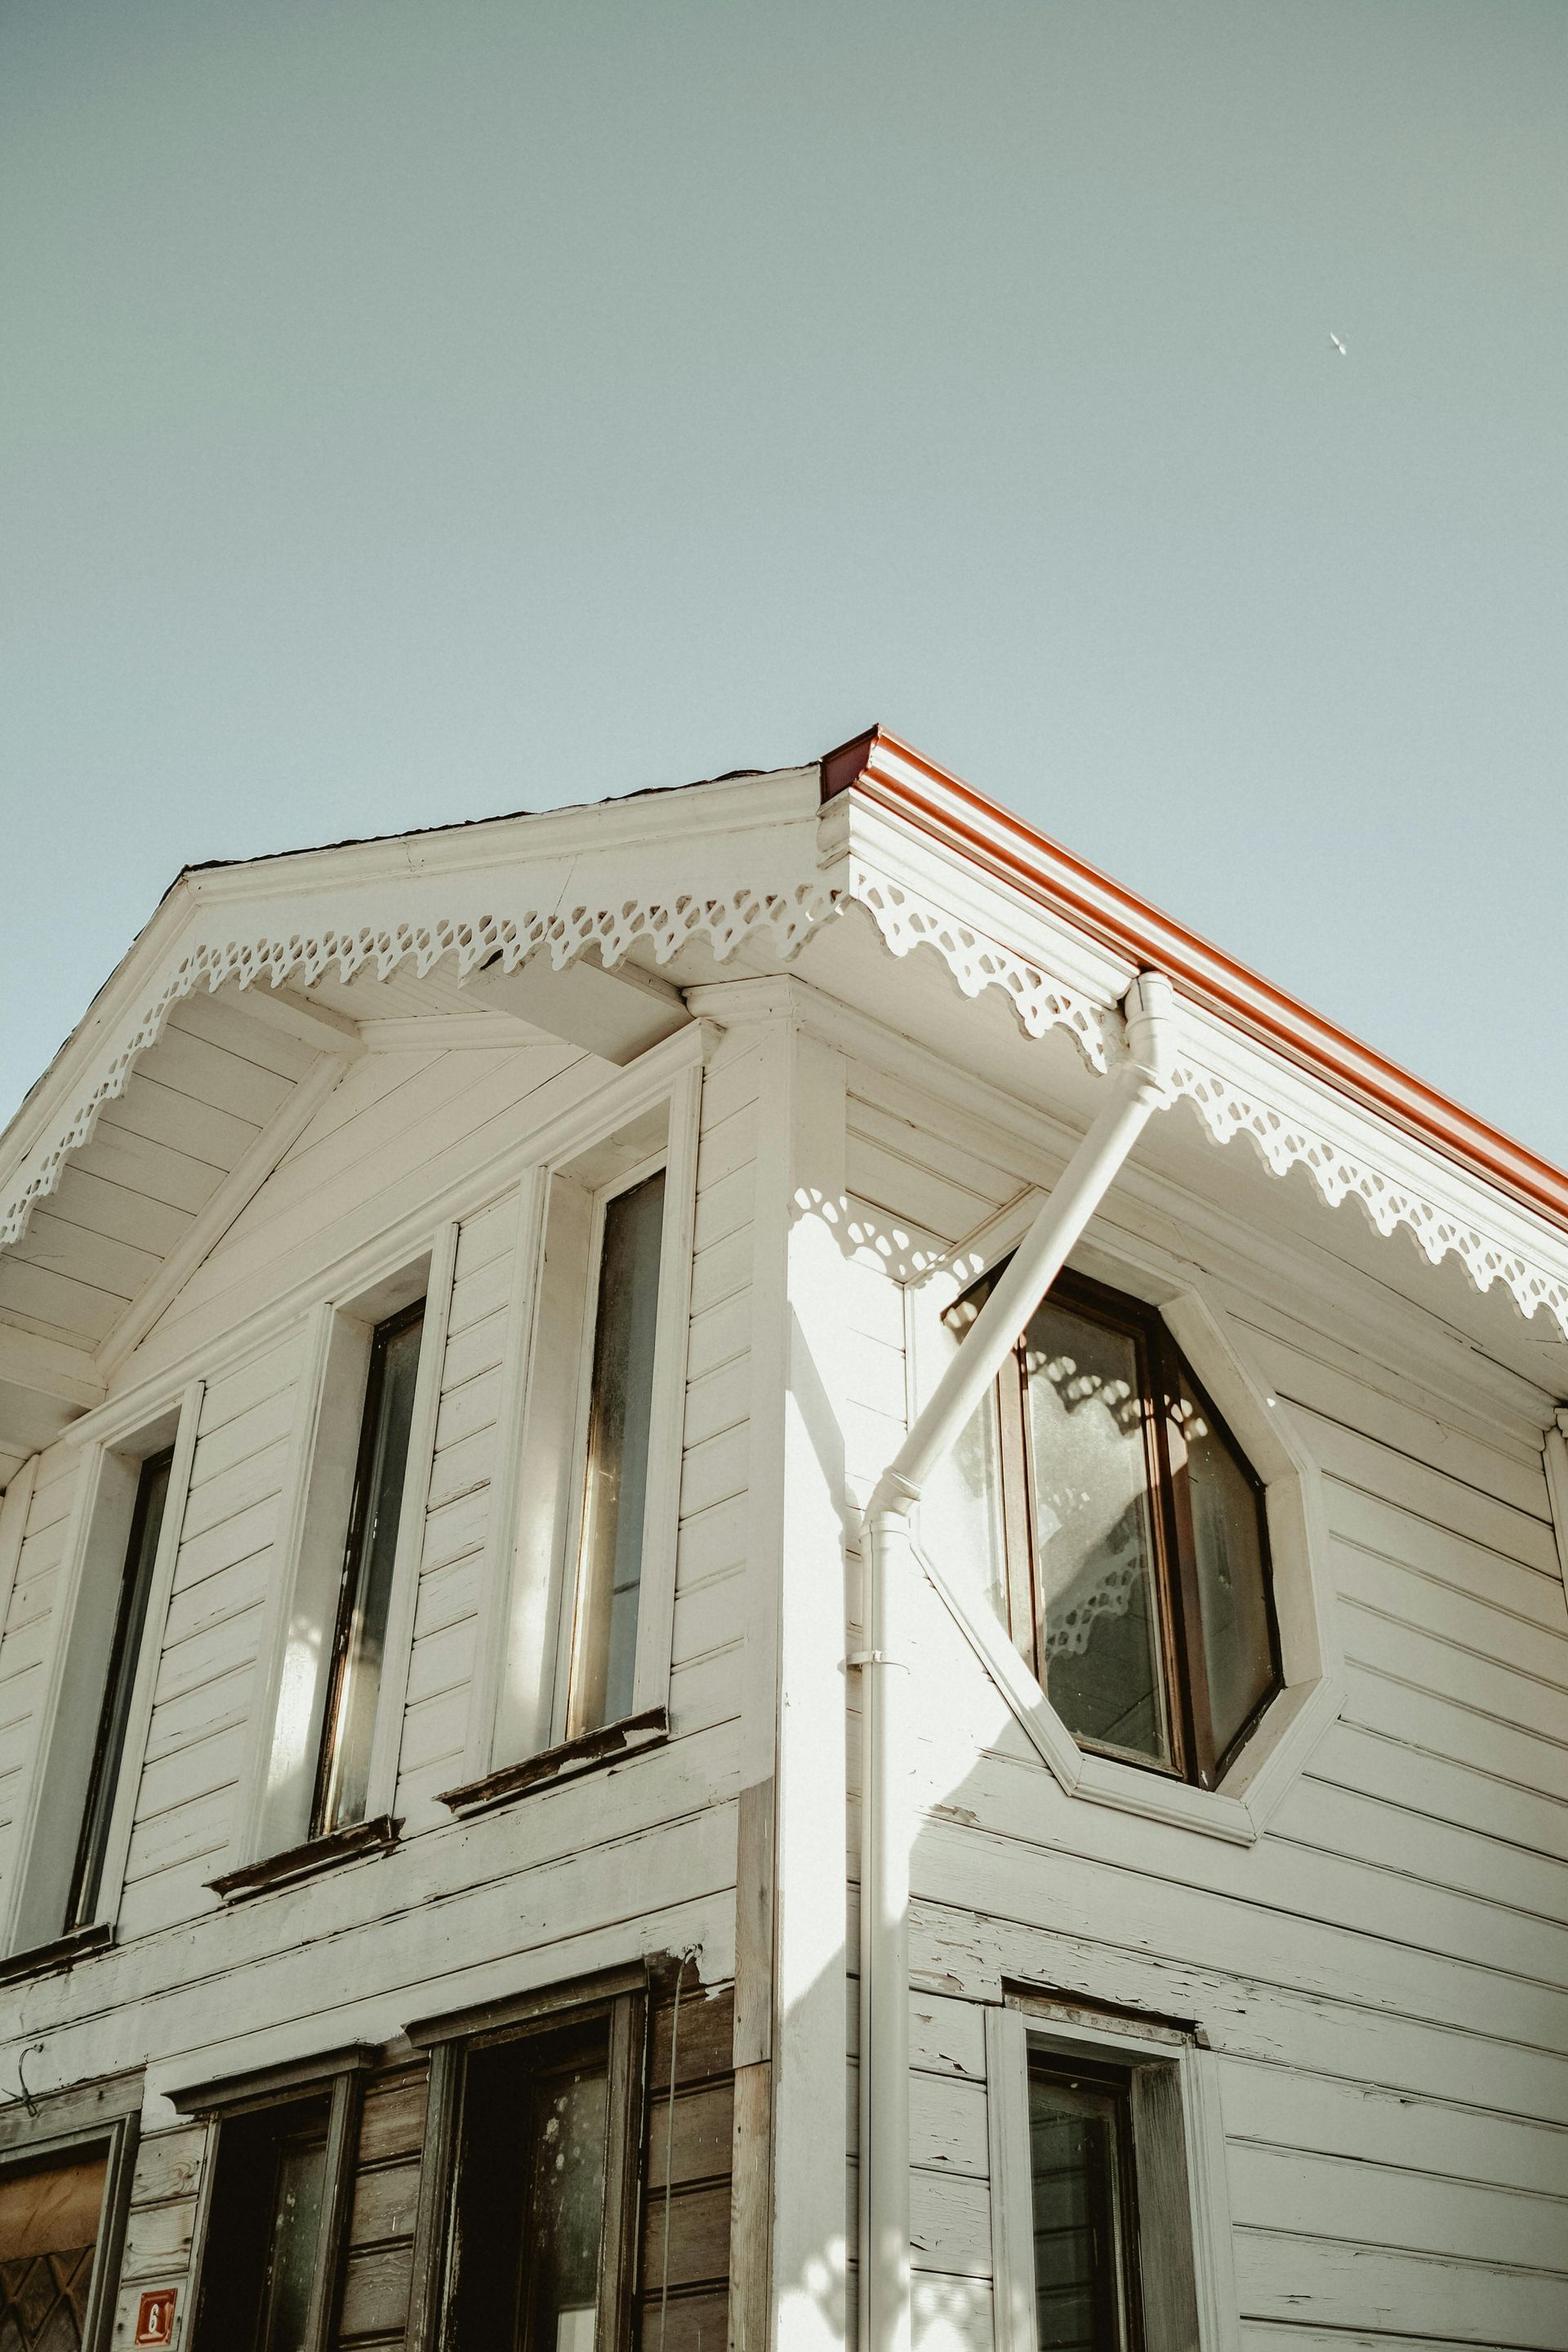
252,1840
1299,1715
95,1544
655,1607
1010,2031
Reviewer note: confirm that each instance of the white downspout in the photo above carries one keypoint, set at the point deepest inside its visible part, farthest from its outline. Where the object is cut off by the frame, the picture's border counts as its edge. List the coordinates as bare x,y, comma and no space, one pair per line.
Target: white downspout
1139,1087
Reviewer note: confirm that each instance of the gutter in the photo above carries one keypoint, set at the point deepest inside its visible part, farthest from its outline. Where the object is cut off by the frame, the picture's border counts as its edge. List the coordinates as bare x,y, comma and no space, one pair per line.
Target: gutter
1137,1088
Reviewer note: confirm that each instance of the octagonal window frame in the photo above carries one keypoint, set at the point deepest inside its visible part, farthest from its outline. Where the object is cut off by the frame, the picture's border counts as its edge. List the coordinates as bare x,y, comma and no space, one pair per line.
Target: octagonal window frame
1308,1699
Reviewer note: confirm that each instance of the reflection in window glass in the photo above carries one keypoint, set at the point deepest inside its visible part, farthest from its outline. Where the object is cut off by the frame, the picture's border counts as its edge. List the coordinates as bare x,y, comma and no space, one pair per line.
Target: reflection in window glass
294,2238
119,1681
371,1548
530,2198
621,1400
1094,1535
1077,2163
1229,1545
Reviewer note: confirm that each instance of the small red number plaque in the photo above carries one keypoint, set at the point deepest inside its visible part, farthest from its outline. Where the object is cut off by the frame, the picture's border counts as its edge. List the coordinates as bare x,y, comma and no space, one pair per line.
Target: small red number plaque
155,2316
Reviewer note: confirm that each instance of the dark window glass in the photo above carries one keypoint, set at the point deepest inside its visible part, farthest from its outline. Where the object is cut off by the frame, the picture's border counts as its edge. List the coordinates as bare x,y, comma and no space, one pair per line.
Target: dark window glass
49,2233
125,1651
1101,1507
354,1686
263,2252
1080,2183
1229,1549
299,2185
527,2246
625,1330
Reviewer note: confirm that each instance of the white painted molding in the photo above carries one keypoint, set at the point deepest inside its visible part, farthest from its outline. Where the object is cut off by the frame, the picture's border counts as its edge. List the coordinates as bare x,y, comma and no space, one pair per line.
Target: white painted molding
498,1559
721,919
1012,2204
244,1837
14,1504
667,1408
78,1528
622,1098
1554,1454
284,1129
139,1719
397,1647
1301,1714
307,1023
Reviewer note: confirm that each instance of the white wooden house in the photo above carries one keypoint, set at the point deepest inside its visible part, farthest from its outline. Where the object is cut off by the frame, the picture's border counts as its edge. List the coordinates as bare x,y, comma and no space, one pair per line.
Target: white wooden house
498,1393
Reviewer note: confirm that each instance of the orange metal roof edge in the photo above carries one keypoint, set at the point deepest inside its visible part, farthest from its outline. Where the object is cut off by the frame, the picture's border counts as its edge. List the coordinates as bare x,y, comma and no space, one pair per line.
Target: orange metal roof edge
952,812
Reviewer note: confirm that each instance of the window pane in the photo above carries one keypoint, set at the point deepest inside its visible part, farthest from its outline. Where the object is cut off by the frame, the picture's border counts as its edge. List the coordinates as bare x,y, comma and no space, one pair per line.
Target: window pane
294,2238
611,1572
529,2210
1094,1542
367,1573
1078,2257
108,1752
48,2229
1228,1538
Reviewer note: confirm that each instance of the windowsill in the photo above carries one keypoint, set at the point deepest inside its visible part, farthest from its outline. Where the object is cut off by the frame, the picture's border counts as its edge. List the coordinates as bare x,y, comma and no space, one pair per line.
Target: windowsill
309,1860
62,1952
590,1751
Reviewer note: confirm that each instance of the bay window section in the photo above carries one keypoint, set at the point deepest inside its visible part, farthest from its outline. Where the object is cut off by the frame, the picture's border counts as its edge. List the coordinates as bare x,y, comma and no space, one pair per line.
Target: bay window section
1099,1505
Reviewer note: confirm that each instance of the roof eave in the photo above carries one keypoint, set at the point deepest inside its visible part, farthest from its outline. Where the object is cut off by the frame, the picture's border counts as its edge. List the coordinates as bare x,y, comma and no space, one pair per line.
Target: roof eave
945,810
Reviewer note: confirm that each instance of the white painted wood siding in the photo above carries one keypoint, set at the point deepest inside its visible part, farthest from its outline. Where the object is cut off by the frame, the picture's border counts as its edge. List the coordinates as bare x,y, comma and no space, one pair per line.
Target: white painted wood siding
1385,1975
638,1857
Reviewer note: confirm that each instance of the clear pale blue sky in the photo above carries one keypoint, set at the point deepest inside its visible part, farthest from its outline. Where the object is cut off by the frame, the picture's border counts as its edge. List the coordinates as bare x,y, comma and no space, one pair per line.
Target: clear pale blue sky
415,409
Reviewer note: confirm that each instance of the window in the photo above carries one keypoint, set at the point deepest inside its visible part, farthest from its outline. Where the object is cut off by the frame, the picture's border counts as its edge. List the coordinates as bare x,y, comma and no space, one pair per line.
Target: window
64,2182
270,2227
620,1401
48,2236
1083,2208
581,1647
1124,1539
342,1775
1099,2243
114,1589
535,2130
114,1714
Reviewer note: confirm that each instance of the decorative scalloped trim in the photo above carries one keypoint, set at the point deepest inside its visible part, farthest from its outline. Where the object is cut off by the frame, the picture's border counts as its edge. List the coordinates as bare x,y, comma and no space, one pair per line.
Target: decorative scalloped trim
1283,1143
907,920
722,922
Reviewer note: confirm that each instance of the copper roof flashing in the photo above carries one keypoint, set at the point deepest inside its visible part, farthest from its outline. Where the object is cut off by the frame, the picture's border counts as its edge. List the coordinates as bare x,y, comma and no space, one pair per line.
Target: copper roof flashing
952,814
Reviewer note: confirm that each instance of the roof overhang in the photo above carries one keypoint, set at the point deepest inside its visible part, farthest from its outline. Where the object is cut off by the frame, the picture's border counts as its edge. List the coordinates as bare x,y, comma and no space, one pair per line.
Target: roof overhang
840,872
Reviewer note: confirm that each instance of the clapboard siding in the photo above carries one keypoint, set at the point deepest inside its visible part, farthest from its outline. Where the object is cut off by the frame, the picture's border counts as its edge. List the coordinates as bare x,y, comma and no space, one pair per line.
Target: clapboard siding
378,2264
457,1513
1386,1974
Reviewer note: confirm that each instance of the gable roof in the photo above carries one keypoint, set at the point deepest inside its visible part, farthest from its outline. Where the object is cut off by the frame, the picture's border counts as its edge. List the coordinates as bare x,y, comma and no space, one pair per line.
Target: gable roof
240,1006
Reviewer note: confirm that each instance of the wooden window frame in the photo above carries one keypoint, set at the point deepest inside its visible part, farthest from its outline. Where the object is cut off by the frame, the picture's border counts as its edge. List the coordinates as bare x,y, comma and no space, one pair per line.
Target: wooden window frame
382,1335
519,1708
76,1664
1116,2083
339,2075
1161,1370
622,1999
102,2115
1179,2244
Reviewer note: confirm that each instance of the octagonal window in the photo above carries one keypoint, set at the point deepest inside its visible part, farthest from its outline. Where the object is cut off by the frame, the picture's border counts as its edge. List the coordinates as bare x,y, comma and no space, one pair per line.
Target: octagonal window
1122,1533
